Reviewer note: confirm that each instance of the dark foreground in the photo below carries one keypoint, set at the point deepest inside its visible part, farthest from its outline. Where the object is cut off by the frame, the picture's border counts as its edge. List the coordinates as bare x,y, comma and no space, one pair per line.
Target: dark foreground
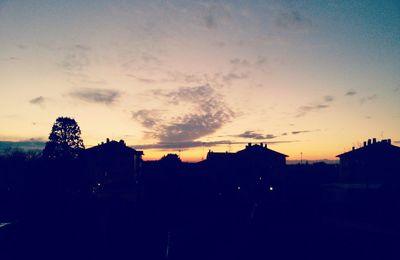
116,228
57,210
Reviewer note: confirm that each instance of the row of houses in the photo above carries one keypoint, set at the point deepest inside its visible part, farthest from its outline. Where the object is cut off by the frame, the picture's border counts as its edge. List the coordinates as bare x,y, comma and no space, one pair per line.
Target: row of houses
376,162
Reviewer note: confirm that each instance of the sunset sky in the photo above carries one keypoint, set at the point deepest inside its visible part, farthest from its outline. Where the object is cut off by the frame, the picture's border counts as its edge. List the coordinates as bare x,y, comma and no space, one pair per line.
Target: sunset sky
310,77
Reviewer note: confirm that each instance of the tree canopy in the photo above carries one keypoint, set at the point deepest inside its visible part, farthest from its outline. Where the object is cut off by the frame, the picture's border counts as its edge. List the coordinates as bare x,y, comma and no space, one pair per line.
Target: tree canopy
64,140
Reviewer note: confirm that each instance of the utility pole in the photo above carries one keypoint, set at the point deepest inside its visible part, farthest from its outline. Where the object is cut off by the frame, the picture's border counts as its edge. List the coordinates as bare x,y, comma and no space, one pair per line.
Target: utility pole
301,158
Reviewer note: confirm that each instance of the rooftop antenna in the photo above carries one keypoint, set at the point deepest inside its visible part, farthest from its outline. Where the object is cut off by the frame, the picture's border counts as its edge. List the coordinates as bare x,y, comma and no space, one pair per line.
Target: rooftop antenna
179,153
229,146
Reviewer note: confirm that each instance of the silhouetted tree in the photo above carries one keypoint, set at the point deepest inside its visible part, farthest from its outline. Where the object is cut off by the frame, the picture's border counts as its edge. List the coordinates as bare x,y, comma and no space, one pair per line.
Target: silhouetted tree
65,139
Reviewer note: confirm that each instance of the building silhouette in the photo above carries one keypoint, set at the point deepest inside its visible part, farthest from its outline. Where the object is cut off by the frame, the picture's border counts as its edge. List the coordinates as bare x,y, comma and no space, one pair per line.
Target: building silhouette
113,164
250,171
376,162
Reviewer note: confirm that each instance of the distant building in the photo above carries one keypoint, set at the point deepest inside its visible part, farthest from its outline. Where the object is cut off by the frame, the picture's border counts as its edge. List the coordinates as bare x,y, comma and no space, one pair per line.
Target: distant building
113,163
248,170
376,162
254,157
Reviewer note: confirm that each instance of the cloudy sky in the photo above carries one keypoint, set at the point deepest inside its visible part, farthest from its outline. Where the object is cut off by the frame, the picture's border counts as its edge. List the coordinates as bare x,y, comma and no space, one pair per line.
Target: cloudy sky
311,77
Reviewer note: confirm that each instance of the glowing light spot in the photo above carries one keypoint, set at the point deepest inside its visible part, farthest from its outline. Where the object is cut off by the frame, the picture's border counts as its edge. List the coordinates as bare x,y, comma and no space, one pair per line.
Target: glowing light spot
4,224
271,188
238,187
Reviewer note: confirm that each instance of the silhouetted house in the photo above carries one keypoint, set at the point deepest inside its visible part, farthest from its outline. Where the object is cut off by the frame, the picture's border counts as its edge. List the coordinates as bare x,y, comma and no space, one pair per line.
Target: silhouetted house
254,168
259,157
161,180
221,162
376,162
113,163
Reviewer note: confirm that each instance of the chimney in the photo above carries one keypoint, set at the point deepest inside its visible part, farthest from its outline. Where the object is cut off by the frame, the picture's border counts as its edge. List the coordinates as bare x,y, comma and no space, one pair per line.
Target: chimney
108,140
389,141
248,145
374,140
365,143
369,141
261,144
265,145
353,148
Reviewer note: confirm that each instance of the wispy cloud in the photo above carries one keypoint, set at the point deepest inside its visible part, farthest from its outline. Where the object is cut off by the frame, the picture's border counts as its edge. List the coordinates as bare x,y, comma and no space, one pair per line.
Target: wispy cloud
150,58
303,110
193,126
76,58
351,93
329,98
38,100
209,20
217,79
95,95
11,58
255,135
261,61
178,145
238,61
194,144
147,117
293,20
142,79
196,95
210,113
216,15
300,132
296,132
21,46
227,78
258,63
368,98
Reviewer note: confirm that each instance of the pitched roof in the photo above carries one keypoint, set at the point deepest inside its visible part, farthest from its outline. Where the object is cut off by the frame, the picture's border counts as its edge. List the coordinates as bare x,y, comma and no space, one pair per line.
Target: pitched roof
248,150
219,156
260,149
382,146
113,145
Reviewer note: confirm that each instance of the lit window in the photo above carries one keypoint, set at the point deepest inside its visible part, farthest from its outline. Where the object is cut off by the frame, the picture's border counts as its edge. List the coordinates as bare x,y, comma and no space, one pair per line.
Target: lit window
271,188
238,187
